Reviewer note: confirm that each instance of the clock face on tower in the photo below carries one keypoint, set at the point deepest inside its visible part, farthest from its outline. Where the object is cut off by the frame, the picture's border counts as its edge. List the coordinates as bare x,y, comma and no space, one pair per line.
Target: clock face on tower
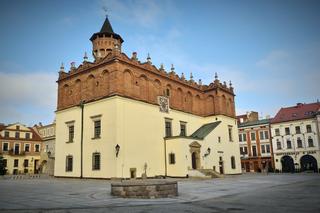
163,103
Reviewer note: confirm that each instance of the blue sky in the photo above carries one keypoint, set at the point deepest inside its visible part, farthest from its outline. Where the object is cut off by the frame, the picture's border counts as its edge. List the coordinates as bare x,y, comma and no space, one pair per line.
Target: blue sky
270,50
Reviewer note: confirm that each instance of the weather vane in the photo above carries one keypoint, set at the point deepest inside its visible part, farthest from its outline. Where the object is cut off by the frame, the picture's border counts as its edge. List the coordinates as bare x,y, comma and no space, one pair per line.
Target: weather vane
105,9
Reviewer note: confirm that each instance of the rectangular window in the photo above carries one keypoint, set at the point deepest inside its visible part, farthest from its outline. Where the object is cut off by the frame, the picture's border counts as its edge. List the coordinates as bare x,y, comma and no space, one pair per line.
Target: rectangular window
289,145
261,135
278,145
96,161
16,149
277,132
298,131
26,163
245,150
240,137
266,135
16,163
17,135
309,128
27,135
230,133
254,151
5,147
69,163
71,133
5,162
183,129
27,147
6,134
287,130
168,129
172,158
253,136
233,162
97,128
37,148
244,137
263,149
268,148
241,151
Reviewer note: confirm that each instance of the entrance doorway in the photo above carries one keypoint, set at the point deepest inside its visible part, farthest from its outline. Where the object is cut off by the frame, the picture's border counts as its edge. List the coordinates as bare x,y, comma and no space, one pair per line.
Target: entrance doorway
36,167
221,170
287,164
194,160
308,163
195,155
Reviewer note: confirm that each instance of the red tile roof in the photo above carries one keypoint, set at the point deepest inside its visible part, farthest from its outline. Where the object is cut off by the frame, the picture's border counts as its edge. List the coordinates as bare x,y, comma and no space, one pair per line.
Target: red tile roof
35,135
298,112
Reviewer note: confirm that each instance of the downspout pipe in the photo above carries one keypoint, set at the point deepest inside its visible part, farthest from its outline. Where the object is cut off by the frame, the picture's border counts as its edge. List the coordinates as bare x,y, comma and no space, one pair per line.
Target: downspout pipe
81,139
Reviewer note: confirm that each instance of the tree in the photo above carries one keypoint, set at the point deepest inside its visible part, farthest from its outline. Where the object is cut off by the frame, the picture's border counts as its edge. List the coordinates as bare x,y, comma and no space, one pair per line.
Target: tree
2,167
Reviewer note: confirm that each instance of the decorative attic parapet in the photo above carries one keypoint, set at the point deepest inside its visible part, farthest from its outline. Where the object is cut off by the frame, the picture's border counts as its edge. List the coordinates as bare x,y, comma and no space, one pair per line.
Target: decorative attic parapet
147,65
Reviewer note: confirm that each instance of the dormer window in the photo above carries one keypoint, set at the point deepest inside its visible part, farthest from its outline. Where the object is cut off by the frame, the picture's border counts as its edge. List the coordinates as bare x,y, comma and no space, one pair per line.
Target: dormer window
6,134
27,135
17,135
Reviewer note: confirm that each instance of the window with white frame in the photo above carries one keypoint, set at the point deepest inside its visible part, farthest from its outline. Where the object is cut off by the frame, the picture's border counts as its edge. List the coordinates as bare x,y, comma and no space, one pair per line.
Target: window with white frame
27,147
37,147
5,146
266,135
263,149
253,136
310,142
96,126
70,126
278,144
309,129
299,142
268,148
96,161
69,163
261,135
289,145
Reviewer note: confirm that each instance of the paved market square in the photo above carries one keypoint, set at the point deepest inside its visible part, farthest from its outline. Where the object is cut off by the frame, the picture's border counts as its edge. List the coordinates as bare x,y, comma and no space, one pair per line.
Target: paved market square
240,193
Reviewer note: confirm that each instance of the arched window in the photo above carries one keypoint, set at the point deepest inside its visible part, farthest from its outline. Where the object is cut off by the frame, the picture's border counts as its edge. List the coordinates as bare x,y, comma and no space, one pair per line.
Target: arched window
310,142
233,162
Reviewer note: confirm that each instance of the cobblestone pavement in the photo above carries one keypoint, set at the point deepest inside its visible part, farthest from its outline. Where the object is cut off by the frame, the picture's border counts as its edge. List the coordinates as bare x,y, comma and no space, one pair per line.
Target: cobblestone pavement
241,193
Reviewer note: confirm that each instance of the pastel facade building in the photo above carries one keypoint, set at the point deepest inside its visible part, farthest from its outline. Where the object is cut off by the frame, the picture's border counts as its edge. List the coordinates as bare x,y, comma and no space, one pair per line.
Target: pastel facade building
295,138
255,144
119,117
47,154
20,147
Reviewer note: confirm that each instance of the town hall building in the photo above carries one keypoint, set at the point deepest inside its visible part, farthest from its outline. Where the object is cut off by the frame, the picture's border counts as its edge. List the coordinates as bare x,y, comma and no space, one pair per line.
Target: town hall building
118,117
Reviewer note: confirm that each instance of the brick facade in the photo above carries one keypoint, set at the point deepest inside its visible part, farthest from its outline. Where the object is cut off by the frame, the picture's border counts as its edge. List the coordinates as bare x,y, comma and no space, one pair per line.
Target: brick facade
117,74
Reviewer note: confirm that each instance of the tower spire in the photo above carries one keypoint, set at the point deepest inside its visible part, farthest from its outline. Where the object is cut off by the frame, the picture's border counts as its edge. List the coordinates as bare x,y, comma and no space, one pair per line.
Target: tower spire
104,41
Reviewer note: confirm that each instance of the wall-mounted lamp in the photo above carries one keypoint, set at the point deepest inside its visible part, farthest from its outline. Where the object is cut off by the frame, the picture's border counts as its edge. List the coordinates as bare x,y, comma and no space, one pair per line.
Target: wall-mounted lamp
117,149
208,152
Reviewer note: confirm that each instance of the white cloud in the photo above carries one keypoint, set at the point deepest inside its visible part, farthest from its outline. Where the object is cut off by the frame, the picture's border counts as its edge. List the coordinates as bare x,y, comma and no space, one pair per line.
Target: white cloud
27,97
